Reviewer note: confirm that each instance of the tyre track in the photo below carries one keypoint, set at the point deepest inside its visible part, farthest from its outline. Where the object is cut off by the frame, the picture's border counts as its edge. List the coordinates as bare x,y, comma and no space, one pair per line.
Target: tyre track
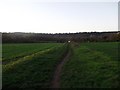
23,59
56,77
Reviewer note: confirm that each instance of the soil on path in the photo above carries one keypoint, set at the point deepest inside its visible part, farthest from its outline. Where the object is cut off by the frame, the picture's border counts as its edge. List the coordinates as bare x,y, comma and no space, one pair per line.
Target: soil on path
56,77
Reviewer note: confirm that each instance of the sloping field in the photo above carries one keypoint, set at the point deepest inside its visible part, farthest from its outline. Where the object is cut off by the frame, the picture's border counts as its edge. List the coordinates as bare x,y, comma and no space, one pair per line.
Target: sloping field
35,68
93,65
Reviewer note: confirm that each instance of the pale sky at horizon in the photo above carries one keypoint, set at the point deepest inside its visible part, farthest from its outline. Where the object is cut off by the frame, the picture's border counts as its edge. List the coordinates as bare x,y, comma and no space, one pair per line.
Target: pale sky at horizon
58,17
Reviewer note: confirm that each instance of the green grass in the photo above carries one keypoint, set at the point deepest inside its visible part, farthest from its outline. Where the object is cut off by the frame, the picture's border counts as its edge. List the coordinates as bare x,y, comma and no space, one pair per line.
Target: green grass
33,71
15,51
31,66
93,65
108,48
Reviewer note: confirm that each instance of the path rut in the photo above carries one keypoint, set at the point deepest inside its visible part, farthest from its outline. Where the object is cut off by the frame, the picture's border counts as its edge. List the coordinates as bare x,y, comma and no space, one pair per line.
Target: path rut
56,77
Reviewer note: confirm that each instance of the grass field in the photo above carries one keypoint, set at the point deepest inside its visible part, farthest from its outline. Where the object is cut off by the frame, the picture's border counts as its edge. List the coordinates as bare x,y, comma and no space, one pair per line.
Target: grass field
33,70
32,66
93,65
15,51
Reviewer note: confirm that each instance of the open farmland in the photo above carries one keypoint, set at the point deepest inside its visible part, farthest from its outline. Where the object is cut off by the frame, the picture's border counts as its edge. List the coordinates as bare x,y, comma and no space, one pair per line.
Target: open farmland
15,51
35,68
70,65
93,65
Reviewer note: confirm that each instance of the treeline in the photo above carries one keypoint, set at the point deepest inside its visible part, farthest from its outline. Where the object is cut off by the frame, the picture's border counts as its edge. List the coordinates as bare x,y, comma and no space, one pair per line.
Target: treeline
60,37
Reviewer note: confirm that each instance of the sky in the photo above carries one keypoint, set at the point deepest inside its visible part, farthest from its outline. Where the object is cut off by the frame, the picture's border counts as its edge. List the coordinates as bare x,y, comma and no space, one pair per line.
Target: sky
58,16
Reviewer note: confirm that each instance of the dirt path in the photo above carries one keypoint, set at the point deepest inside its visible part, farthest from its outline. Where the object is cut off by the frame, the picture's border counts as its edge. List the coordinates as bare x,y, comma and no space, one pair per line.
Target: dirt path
56,77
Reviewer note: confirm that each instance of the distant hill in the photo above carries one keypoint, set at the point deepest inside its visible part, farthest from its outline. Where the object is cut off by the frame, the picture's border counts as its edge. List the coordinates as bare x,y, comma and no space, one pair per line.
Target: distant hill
19,37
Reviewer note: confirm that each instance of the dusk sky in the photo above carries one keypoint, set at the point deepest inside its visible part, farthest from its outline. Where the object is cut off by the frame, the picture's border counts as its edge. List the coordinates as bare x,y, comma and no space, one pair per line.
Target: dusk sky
58,16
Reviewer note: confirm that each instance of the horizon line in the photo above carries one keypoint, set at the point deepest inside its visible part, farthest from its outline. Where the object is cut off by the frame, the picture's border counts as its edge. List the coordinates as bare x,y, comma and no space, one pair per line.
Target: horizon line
63,32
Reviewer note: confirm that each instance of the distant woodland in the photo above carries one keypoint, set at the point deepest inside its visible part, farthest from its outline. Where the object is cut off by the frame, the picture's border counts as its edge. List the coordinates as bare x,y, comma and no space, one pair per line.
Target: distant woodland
19,37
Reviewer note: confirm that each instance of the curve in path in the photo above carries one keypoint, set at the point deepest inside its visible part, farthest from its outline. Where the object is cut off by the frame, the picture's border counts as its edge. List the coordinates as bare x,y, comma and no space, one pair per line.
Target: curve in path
56,77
